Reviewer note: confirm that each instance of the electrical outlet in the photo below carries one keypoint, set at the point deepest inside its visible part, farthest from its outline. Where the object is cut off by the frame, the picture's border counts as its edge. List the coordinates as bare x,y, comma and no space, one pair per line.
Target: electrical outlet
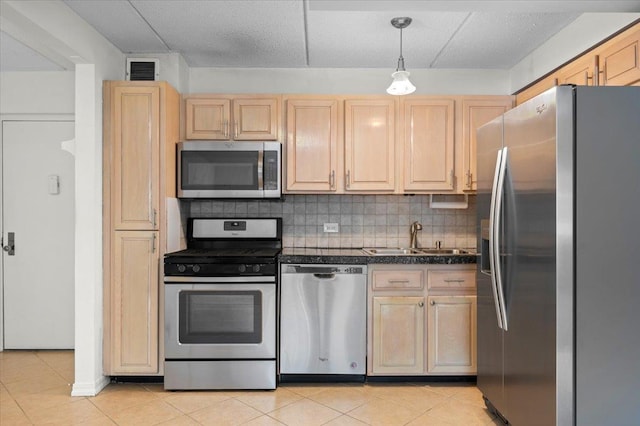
331,227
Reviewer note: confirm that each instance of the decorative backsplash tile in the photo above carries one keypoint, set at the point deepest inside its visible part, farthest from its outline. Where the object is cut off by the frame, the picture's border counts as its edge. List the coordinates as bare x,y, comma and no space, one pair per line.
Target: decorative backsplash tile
363,220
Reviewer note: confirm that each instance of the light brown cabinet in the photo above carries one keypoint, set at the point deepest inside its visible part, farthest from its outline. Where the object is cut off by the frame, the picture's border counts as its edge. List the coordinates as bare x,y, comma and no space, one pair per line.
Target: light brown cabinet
348,145
369,139
314,145
134,303
141,126
136,153
476,111
451,335
451,319
434,306
337,145
440,141
580,72
616,62
228,117
619,61
398,335
428,144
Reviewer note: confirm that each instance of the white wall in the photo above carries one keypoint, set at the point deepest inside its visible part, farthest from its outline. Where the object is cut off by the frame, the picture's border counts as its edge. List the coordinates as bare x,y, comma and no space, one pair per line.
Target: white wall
37,92
70,38
586,31
343,81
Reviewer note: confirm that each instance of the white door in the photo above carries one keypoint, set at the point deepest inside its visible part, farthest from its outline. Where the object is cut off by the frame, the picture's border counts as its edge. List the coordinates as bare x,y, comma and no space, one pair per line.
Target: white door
38,211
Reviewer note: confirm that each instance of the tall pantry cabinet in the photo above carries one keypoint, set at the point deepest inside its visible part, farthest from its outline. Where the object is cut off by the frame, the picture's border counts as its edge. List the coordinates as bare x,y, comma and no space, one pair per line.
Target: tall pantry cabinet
141,129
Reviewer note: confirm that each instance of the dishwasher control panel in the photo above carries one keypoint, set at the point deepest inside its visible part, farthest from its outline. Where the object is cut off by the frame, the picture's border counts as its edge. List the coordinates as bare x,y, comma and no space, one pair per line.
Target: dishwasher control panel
324,269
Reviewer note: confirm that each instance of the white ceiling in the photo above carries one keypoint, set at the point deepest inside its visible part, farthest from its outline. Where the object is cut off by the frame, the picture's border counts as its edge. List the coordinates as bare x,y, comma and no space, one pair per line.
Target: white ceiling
334,33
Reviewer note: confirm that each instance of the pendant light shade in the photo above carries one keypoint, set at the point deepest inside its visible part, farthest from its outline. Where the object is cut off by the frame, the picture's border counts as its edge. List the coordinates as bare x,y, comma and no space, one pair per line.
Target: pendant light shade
401,84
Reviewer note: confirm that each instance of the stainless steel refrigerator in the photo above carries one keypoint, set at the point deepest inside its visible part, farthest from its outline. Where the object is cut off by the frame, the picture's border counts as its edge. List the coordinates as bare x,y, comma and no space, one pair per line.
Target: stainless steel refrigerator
559,267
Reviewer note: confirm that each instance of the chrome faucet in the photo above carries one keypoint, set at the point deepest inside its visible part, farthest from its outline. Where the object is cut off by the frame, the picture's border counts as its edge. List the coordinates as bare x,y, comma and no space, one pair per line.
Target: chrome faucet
415,227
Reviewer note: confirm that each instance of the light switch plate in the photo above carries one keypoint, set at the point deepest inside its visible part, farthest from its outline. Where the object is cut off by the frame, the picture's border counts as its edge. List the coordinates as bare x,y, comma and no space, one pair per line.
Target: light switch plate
331,227
53,184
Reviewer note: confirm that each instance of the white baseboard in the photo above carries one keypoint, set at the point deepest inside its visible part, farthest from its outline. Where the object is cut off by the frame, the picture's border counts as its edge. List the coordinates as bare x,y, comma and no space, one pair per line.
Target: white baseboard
89,389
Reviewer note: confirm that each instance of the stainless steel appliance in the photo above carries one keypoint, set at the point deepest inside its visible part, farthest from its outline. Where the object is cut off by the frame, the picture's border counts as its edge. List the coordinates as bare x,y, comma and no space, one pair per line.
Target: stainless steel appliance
323,322
558,281
210,169
220,305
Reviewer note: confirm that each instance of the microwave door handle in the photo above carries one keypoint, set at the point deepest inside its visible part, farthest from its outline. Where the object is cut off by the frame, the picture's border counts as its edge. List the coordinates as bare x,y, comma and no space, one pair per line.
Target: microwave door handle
260,170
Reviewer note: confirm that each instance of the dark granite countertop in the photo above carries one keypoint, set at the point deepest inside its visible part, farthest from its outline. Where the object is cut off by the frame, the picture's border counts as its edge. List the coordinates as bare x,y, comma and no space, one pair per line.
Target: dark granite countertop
359,257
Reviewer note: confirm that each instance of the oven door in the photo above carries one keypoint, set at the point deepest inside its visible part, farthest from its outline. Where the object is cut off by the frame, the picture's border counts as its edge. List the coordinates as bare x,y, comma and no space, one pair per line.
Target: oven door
235,320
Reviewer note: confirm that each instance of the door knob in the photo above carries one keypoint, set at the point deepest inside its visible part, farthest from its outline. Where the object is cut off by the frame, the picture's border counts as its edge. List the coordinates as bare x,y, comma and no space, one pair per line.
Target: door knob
10,248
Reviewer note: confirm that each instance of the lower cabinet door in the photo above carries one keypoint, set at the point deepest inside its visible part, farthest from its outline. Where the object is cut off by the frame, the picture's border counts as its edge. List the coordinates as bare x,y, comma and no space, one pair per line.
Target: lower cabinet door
398,335
134,303
451,335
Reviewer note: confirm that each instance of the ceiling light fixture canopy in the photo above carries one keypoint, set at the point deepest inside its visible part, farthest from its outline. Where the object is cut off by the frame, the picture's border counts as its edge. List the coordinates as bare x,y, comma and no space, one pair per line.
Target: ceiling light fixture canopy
401,84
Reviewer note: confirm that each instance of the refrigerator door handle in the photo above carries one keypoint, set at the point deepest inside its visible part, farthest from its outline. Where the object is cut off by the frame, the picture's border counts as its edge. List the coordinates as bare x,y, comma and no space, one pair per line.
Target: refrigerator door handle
492,243
497,271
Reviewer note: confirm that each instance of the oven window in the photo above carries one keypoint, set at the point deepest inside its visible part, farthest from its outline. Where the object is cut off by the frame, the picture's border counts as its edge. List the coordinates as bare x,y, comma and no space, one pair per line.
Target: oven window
220,316
219,170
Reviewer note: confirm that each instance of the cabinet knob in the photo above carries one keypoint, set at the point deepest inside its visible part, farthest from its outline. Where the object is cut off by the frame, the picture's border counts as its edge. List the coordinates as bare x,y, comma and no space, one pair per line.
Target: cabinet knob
421,304
433,302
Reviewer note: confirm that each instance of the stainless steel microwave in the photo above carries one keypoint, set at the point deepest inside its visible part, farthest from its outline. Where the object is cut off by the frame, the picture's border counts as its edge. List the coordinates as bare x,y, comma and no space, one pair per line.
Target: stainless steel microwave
208,169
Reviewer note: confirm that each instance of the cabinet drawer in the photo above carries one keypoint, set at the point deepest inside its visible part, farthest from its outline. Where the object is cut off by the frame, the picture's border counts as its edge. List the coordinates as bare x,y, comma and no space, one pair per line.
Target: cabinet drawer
391,280
464,279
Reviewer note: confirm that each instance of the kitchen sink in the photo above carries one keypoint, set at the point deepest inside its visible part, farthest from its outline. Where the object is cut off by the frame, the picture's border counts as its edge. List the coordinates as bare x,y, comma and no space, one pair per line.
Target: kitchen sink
444,251
396,251
393,251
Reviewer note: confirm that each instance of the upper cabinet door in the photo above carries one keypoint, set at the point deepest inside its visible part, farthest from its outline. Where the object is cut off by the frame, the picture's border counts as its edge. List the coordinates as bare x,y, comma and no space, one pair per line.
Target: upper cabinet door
136,162
369,145
255,119
475,113
620,62
228,118
428,145
579,72
312,145
207,118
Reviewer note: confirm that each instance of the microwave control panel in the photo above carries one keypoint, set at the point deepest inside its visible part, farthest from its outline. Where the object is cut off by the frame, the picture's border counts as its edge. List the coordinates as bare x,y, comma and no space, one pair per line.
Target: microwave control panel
271,170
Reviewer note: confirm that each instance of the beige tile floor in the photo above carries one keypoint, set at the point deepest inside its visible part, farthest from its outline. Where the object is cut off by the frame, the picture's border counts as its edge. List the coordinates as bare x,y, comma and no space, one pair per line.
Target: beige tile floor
35,388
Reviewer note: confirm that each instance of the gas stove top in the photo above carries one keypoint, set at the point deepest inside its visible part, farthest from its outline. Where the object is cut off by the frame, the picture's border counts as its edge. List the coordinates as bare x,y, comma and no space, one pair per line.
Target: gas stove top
227,247
214,255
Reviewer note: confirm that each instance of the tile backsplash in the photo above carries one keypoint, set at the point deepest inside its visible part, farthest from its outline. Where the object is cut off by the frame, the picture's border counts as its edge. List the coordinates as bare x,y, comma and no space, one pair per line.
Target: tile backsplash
363,220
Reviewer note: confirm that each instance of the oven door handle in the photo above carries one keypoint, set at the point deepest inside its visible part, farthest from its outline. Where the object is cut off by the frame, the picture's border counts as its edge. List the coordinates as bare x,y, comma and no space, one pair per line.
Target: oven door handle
222,280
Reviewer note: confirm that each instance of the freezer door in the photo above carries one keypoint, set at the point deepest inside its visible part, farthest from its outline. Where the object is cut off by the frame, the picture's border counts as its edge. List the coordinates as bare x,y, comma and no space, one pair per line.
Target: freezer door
489,339
527,249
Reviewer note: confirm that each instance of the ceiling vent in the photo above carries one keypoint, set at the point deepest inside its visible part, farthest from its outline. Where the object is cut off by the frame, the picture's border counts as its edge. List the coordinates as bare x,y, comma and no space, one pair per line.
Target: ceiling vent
142,69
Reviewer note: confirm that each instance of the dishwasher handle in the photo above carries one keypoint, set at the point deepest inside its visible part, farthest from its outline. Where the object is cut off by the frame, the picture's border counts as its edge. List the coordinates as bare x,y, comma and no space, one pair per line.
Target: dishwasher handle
325,276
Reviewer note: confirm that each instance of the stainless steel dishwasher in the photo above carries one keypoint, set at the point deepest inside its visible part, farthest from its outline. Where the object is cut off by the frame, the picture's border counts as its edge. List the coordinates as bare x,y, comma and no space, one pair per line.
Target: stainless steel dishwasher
323,313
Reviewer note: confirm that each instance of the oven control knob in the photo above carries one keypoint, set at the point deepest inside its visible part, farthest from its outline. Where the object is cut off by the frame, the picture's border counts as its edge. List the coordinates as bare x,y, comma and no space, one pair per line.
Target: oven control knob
256,268
195,268
242,268
182,268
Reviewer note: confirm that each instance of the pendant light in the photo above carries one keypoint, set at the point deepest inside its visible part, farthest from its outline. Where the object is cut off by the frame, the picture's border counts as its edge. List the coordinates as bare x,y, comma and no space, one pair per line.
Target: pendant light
401,84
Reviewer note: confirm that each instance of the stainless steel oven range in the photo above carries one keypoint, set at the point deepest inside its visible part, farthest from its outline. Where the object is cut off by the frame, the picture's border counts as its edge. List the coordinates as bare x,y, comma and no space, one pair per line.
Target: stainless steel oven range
220,305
